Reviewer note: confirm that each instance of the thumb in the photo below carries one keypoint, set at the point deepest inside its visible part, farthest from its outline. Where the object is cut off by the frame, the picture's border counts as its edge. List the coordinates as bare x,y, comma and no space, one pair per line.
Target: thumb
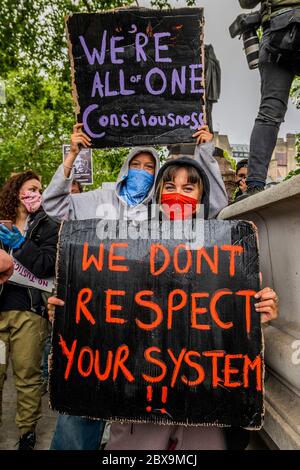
4,229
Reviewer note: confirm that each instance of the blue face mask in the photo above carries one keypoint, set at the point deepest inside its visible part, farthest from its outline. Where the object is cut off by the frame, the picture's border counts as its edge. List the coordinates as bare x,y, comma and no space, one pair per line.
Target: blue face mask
136,186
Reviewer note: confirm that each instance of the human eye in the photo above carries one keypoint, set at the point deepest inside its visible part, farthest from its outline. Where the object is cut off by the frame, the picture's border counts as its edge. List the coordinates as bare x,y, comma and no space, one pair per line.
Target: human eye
169,187
189,188
150,166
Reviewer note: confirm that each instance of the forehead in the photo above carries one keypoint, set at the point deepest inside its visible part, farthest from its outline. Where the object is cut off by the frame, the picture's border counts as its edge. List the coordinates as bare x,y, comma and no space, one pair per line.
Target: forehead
145,156
178,174
243,170
181,174
33,182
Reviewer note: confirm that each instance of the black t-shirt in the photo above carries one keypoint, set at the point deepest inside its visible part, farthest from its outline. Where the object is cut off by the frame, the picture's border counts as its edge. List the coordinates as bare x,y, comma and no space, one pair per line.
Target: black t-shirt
14,297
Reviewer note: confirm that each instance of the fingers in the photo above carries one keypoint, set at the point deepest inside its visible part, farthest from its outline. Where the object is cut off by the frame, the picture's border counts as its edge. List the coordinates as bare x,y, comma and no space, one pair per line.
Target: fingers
4,276
78,137
203,128
56,302
266,294
203,135
77,127
52,303
51,315
266,317
267,305
81,139
4,229
243,185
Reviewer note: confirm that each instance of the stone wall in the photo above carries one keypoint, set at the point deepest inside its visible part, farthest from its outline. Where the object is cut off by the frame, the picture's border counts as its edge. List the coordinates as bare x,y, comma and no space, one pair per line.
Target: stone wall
276,213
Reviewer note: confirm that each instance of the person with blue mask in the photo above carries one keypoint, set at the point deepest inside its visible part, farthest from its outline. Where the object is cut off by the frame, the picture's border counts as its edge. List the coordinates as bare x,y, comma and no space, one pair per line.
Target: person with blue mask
130,199
136,185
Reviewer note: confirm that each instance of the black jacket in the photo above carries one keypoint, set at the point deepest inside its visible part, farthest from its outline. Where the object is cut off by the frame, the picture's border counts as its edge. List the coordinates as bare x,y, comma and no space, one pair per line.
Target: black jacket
38,254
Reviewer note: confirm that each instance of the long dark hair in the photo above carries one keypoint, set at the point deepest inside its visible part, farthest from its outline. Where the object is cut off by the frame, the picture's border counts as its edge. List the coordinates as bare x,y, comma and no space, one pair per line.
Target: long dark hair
9,195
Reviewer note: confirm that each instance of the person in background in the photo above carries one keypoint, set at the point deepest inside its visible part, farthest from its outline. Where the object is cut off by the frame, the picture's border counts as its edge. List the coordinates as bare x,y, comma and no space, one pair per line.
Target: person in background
279,64
32,240
6,266
240,177
181,186
76,187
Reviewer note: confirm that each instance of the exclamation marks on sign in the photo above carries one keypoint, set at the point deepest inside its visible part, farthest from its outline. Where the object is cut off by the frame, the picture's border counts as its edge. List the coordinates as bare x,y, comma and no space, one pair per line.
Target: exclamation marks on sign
164,395
149,398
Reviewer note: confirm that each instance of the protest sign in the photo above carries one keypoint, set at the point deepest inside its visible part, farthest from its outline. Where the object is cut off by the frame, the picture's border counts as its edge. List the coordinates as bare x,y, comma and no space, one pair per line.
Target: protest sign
83,165
158,329
24,277
138,75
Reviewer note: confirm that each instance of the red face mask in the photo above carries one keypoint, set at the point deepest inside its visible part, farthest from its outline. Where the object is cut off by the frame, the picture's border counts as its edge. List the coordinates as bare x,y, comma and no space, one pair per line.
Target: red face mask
178,207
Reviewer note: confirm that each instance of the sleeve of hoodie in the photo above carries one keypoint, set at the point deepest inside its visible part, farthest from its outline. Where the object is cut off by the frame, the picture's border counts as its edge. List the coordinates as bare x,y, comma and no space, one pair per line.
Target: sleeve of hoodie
38,254
57,198
249,3
218,196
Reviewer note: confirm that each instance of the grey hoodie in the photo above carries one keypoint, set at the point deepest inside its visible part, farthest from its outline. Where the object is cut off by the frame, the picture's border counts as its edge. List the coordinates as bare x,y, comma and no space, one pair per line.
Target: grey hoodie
60,204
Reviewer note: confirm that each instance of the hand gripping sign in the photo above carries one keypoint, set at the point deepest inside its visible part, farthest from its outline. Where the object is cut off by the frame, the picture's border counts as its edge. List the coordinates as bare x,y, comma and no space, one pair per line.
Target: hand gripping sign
157,329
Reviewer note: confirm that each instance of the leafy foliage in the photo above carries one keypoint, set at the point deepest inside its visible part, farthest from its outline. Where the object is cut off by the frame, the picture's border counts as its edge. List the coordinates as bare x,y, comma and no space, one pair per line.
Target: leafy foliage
38,115
32,32
230,159
295,95
297,171
165,4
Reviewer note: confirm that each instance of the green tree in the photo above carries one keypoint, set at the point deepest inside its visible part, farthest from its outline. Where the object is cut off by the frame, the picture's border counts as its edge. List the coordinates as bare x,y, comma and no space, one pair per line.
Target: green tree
32,32
35,120
38,114
295,95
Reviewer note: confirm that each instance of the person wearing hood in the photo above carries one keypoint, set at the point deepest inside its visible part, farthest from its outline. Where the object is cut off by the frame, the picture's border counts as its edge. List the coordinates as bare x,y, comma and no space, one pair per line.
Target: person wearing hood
131,199
134,187
131,195
182,187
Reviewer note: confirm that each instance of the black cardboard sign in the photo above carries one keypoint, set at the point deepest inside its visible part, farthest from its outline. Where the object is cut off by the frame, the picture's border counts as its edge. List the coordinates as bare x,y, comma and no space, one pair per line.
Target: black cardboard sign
138,75
156,329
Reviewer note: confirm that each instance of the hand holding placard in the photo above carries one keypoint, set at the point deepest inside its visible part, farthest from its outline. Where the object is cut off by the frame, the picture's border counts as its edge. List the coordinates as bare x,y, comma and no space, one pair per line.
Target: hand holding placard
78,139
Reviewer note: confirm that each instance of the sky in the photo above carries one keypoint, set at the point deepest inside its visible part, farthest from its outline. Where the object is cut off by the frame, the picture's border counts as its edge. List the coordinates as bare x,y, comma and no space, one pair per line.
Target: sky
237,108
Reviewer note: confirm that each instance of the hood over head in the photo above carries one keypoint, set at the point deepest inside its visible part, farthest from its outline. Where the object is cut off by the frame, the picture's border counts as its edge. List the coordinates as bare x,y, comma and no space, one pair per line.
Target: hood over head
188,161
125,168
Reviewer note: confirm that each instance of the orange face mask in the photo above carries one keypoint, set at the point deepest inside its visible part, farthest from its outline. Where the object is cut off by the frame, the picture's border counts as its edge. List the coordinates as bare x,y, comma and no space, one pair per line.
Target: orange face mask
178,207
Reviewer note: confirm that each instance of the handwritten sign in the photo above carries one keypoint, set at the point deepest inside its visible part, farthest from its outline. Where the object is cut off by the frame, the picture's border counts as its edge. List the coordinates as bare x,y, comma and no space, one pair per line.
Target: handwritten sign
138,75
157,329
24,277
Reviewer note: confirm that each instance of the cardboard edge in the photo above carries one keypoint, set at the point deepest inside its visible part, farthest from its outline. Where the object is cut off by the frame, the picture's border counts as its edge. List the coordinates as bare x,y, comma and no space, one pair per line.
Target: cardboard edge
72,67
202,57
50,357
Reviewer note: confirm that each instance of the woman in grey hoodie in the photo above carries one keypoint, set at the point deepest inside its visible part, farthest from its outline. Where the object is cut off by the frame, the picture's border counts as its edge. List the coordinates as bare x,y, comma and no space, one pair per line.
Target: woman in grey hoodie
130,199
60,204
